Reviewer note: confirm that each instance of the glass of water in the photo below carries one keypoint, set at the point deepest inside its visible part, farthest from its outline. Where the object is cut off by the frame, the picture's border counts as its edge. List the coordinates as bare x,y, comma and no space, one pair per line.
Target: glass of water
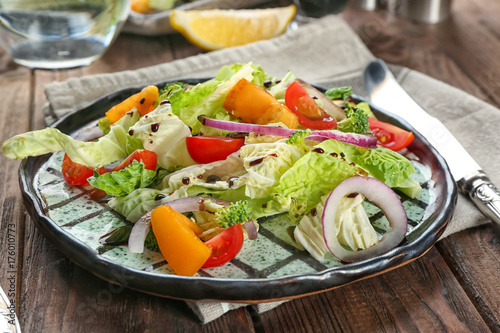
54,34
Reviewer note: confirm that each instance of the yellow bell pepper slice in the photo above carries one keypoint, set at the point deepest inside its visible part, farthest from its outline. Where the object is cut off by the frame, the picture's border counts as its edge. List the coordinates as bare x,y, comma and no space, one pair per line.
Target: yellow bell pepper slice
143,101
177,239
255,105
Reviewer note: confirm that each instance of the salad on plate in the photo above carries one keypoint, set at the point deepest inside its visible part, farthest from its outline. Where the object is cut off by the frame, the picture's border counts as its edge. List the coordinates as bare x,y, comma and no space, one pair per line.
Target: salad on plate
195,169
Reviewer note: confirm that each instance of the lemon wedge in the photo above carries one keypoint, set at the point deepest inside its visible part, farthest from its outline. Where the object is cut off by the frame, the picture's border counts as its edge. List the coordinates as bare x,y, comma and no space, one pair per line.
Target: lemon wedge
215,29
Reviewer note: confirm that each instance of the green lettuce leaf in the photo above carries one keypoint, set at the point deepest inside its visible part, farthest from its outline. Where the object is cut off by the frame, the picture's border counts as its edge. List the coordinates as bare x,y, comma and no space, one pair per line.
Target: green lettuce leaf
165,134
205,98
384,164
133,144
259,75
168,91
265,164
338,93
309,233
189,181
352,225
219,175
312,176
381,163
142,200
162,5
107,149
123,182
278,90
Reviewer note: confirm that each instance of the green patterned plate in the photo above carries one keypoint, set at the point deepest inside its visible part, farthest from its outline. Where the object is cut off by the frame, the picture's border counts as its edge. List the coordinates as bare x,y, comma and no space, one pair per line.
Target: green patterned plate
269,268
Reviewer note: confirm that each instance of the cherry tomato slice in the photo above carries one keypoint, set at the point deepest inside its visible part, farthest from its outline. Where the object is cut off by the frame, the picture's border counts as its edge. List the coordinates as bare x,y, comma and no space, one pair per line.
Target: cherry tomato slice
148,157
390,136
77,174
207,149
225,246
309,113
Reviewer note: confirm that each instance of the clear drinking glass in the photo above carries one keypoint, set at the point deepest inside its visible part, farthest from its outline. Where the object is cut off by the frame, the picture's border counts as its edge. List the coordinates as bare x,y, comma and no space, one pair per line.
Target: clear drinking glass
55,34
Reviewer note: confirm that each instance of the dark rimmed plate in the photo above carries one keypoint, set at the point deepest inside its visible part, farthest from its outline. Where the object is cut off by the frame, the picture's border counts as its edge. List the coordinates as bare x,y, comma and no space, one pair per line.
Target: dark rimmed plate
270,268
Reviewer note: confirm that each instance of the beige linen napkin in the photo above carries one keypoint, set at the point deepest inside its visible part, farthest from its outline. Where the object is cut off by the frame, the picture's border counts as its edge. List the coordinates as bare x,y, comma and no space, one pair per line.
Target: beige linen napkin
326,52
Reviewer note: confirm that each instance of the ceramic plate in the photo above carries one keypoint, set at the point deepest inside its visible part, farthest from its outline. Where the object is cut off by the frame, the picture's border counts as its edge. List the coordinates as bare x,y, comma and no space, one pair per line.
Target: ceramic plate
159,23
269,268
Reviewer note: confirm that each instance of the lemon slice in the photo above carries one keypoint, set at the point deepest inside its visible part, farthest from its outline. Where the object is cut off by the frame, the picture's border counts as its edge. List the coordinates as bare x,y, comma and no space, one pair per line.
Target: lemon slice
218,28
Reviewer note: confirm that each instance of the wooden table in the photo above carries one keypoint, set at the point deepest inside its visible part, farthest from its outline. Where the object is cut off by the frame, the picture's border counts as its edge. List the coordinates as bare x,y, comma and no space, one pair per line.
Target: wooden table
455,287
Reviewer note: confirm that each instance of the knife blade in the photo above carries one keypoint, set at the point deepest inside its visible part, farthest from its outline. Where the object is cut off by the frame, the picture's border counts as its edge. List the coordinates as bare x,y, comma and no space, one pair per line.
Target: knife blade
386,93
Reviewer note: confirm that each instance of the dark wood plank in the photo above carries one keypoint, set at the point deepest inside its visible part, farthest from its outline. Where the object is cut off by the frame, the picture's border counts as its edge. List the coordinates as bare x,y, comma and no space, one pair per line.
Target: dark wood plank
422,296
130,52
443,51
471,39
474,258
15,112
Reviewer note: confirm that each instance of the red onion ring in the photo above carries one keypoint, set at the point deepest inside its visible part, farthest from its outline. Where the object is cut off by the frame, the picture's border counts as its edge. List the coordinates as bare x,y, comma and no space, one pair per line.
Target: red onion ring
245,127
143,225
328,105
381,195
89,134
360,140
317,138
251,229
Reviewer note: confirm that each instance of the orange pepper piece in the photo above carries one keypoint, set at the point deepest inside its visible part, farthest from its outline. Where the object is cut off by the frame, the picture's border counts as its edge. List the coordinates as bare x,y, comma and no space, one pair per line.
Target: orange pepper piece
182,248
143,101
255,105
140,6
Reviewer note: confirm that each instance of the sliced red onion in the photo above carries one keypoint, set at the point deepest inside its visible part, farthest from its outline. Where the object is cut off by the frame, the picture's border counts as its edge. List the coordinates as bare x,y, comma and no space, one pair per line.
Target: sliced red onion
317,138
245,127
328,105
182,205
138,235
251,229
89,134
381,195
360,140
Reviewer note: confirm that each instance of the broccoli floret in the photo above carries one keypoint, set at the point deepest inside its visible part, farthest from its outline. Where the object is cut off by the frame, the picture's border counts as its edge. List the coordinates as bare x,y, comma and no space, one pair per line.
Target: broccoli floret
150,242
339,93
297,139
236,213
168,90
356,121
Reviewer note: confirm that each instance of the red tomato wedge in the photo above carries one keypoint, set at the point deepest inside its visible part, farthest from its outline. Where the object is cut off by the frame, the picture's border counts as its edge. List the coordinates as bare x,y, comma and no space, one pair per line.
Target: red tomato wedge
207,149
309,113
148,157
225,246
390,136
77,174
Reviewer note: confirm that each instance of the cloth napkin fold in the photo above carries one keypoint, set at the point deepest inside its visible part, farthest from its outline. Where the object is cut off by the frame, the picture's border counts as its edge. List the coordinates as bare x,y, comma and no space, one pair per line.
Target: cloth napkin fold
326,52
